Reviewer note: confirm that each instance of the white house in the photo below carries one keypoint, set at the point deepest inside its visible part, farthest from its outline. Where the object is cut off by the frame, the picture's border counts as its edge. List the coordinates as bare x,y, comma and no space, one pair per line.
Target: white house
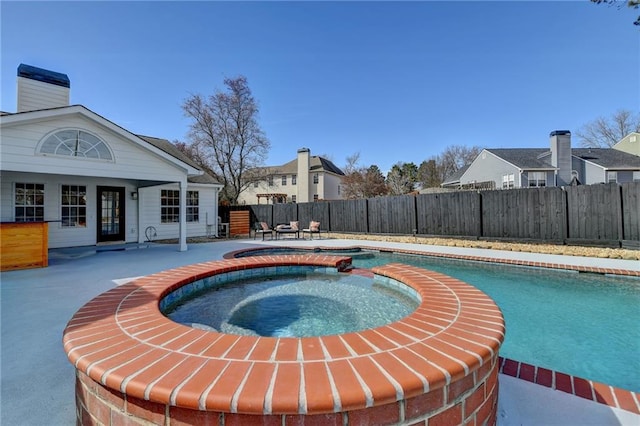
92,180
304,179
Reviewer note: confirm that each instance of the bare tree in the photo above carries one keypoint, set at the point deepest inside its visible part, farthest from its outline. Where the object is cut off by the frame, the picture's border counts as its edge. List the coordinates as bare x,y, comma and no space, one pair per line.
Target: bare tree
428,174
226,136
362,182
454,157
198,156
630,3
402,178
606,132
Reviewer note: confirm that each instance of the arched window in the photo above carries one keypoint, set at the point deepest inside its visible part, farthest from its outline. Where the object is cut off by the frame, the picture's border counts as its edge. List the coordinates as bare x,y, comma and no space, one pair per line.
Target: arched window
76,143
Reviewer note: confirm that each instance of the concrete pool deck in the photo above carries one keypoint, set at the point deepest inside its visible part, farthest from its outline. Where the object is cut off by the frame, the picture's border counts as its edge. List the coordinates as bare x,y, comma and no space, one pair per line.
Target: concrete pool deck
37,380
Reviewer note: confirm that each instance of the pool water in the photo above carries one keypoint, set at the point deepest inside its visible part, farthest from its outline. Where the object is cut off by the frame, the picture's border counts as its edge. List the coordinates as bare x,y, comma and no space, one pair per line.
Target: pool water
586,325
306,305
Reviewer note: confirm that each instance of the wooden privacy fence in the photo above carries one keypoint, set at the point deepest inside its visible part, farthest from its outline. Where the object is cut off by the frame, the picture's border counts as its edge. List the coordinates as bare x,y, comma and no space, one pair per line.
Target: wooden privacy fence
600,214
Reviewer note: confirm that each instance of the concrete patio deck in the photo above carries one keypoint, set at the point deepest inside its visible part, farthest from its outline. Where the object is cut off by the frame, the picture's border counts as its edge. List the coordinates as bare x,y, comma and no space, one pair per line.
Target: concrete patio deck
37,380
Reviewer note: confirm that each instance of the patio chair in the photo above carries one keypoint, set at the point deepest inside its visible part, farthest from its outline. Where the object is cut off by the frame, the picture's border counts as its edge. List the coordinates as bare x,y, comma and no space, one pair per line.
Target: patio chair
291,228
262,228
314,228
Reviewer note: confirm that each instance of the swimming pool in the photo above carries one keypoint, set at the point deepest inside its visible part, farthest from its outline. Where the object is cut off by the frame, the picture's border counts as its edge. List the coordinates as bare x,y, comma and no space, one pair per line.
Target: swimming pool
578,323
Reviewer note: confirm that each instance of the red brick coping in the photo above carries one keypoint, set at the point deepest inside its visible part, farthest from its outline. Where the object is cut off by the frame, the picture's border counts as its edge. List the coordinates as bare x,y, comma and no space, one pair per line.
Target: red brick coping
583,388
594,391
515,262
439,364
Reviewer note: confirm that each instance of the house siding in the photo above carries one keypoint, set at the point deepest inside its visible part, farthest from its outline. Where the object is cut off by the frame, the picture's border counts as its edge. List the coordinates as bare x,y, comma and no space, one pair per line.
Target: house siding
331,191
630,144
326,188
151,213
60,236
593,174
490,168
20,142
149,198
136,167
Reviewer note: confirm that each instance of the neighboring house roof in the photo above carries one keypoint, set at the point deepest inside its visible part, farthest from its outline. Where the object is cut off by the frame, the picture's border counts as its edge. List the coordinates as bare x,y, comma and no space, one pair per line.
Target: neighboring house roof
608,158
539,158
172,150
455,176
325,165
316,164
524,158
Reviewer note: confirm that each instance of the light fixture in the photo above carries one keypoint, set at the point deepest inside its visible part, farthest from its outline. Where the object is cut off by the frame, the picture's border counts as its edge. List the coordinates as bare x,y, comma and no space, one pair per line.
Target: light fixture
134,195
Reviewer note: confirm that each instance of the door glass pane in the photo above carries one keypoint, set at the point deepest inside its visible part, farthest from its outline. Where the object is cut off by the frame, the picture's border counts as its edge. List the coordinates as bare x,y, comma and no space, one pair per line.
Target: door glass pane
110,213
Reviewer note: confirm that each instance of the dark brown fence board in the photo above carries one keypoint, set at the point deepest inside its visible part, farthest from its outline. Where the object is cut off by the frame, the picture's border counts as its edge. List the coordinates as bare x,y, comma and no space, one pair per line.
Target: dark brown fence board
348,216
392,215
631,211
605,213
318,212
594,212
262,213
531,213
284,213
454,213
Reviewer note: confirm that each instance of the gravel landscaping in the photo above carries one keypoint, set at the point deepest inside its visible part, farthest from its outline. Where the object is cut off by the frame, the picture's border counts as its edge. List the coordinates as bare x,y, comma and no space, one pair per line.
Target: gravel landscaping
568,250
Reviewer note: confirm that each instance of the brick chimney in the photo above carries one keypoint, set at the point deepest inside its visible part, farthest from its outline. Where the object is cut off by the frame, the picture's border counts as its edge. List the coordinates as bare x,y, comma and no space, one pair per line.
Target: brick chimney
41,89
561,156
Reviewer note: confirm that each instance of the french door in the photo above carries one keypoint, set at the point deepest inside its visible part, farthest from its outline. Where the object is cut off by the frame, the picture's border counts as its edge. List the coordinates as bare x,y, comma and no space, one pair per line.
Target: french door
111,202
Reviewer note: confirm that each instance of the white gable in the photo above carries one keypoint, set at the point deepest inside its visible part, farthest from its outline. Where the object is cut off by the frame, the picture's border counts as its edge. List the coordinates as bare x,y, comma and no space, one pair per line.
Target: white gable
133,158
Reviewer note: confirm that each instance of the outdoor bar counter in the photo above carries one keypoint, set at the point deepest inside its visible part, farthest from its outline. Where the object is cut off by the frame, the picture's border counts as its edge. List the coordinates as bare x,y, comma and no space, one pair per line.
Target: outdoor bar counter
23,245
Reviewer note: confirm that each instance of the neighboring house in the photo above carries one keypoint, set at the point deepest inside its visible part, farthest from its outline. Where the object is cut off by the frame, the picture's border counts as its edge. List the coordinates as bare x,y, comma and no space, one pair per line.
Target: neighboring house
630,144
94,181
559,165
307,178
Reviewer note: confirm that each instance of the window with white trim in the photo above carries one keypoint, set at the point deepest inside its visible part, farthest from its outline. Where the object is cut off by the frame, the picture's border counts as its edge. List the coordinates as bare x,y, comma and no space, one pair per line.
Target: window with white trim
537,179
270,180
169,206
508,181
293,199
193,208
636,176
294,179
29,202
315,197
612,177
73,206
76,143
315,178
284,180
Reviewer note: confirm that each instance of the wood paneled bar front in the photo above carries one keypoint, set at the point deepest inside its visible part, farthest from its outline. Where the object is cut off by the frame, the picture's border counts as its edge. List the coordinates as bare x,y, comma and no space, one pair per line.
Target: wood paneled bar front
23,245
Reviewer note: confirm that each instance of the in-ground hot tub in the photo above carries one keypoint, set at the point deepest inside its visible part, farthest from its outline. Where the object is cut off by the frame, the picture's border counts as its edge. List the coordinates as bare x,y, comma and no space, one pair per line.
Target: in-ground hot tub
440,363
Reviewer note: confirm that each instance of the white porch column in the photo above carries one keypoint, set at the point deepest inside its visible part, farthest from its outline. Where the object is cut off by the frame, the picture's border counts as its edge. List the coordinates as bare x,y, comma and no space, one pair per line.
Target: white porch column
182,244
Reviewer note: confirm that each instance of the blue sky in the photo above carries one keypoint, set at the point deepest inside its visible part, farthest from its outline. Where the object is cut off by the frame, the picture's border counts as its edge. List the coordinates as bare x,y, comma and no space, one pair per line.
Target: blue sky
394,81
